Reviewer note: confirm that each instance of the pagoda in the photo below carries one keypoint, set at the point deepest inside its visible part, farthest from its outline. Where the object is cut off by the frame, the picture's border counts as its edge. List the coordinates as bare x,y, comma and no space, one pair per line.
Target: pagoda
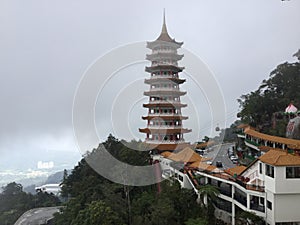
164,131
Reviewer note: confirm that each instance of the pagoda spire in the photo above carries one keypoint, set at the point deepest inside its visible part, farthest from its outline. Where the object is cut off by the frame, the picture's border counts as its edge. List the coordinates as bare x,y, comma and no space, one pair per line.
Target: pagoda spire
164,36
164,26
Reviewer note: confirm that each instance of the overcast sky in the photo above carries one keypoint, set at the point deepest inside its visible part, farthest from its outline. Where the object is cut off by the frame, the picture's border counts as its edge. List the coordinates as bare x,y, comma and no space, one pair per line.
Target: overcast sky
46,46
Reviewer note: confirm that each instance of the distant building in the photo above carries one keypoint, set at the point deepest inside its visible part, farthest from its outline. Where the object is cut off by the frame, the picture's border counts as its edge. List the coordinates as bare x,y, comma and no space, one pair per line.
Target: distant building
49,188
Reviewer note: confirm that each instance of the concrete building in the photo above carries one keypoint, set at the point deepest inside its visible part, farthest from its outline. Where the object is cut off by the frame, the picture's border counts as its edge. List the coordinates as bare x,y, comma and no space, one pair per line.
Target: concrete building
269,187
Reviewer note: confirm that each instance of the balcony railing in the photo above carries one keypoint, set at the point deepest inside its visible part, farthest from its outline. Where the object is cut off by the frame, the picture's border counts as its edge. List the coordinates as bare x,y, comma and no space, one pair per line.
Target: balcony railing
165,114
164,126
165,101
241,199
252,142
257,207
255,187
223,206
225,191
164,76
164,89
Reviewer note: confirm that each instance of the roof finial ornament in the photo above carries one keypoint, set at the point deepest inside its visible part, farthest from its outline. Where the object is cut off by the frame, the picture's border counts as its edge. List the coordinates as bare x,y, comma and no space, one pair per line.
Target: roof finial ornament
164,27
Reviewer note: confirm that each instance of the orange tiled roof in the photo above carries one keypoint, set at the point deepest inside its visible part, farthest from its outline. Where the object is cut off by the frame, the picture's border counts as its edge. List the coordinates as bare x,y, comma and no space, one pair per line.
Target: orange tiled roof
289,142
185,155
242,125
202,166
205,144
166,154
267,148
167,147
235,170
280,158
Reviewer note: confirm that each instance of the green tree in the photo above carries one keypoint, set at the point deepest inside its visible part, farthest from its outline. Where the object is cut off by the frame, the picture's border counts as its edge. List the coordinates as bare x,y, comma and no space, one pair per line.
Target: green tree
12,189
96,213
210,192
249,218
197,221
273,95
14,202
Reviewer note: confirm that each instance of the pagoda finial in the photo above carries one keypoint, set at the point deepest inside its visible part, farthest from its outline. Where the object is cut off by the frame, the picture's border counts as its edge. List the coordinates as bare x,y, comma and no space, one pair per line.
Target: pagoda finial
164,36
164,26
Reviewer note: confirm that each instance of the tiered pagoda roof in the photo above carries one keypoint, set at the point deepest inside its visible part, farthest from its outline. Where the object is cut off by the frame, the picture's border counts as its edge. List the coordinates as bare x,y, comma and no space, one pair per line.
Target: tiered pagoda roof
164,129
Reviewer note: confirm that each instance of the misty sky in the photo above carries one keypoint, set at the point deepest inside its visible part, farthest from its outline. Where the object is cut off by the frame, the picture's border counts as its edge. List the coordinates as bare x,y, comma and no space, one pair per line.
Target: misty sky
46,46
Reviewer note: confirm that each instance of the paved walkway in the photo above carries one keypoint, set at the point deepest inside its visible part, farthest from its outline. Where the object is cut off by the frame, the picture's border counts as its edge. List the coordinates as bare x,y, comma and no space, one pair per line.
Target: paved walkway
37,216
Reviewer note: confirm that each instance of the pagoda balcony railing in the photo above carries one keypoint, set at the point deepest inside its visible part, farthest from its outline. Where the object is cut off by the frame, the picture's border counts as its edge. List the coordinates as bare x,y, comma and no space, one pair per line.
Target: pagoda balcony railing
164,101
164,51
164,76
164,126
150,141
165,114
165,63
164,89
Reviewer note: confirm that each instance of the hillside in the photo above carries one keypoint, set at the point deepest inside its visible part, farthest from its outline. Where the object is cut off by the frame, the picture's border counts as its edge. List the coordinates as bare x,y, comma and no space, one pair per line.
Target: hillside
264,107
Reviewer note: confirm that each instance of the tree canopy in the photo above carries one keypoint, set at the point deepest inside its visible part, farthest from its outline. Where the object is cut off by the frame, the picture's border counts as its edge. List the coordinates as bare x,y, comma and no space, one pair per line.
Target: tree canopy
89,194
273,96
14,202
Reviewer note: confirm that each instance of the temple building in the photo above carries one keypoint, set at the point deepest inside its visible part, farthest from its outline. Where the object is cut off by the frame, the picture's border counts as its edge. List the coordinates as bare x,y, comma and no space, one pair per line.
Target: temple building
267,188
164,129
